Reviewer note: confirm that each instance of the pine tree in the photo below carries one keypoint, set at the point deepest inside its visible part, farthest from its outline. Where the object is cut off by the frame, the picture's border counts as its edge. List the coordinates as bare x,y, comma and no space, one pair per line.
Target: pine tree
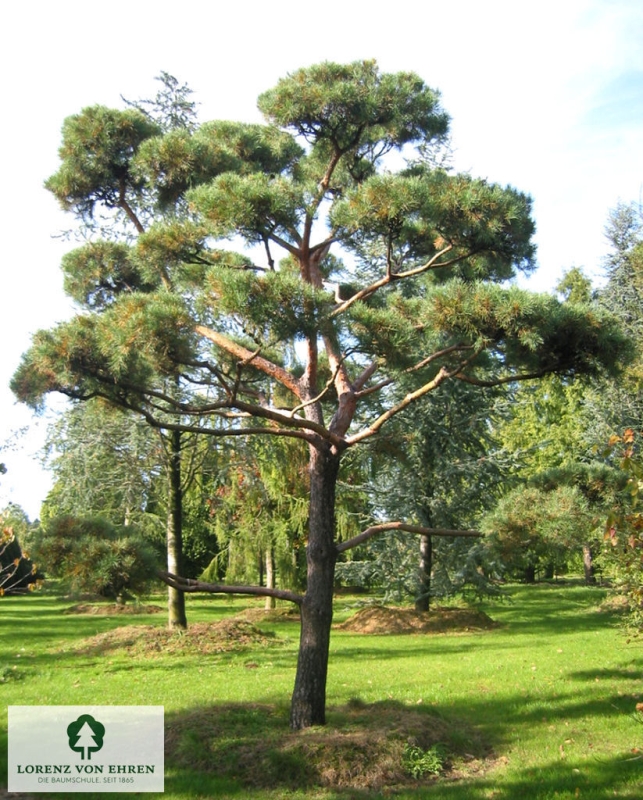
359,277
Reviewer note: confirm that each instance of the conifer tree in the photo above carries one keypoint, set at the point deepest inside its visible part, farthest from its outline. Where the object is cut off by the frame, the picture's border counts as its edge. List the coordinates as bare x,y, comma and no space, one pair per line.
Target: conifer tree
358,277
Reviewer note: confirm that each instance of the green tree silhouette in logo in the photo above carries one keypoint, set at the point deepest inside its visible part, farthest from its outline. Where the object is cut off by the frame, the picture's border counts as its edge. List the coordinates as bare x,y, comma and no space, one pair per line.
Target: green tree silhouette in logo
86,736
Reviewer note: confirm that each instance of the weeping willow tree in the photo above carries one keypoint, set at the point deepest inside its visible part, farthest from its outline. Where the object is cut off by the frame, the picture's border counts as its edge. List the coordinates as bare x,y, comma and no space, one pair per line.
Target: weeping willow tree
356,277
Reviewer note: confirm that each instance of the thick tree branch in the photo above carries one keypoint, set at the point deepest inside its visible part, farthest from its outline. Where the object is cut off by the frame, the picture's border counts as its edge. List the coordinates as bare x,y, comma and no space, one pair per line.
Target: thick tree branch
293,433
271,261
122,202
284,418
401,526
298,432
411,397
262,364
189,585
139,400
365,376
294,251
347,403
323,245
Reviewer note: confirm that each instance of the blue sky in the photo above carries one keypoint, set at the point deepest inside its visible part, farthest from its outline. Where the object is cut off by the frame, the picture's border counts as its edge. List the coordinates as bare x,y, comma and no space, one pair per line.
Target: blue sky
547,97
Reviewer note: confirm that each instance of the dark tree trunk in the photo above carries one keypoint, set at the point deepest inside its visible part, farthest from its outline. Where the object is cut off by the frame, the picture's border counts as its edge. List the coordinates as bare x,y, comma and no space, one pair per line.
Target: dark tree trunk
588,565
174,538
308,705
426,565
529,574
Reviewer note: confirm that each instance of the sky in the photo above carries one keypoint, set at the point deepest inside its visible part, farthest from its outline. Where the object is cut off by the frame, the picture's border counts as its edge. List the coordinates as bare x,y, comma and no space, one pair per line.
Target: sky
546,97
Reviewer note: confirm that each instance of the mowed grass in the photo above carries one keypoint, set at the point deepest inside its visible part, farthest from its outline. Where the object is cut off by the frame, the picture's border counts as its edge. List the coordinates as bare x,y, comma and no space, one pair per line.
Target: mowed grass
543,706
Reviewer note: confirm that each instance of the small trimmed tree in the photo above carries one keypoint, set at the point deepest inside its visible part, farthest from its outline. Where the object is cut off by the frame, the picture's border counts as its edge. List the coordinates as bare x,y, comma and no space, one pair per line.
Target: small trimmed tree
360,277
93,556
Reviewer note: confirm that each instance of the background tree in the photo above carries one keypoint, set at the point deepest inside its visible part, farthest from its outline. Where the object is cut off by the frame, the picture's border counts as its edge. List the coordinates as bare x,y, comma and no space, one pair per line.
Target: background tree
624,525
618,406
441,469
534,530
104,462
91,555
18,573
308,346
112,465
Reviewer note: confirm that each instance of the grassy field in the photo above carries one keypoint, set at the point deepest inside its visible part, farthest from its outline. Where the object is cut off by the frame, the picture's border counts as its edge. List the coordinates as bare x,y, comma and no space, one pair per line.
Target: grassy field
540,707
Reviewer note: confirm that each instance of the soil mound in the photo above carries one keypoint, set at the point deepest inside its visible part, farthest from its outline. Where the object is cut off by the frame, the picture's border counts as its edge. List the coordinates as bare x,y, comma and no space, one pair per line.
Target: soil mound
201,638
112,609
614,604
363,749
269,615
384,619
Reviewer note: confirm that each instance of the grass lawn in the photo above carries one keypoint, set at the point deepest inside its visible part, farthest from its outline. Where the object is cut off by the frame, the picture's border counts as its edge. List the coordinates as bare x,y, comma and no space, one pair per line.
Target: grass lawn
541,707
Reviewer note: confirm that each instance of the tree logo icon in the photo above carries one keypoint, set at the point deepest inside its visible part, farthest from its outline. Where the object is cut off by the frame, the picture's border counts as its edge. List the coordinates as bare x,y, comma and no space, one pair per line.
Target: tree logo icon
86,736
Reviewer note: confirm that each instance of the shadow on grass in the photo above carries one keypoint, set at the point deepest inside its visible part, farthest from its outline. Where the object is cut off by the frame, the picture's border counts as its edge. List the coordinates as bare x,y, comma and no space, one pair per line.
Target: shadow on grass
634,673
247,750
594,779
359,751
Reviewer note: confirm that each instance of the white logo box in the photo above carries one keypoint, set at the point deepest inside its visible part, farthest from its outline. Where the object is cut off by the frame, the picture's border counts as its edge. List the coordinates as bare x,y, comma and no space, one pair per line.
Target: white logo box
86,749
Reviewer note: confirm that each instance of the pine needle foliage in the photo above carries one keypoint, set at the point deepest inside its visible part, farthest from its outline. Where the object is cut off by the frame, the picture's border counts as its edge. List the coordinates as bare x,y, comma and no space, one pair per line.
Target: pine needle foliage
313,350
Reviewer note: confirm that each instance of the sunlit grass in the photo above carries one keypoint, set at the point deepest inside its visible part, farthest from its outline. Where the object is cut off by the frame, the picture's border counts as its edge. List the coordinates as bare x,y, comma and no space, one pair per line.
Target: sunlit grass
545,702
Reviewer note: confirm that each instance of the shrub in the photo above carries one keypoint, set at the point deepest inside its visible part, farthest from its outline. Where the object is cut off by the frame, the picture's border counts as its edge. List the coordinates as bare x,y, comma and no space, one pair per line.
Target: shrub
18,574
92,555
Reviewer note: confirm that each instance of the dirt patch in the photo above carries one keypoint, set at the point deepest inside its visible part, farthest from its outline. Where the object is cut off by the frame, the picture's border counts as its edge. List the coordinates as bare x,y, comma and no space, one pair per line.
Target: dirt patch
385,619
112,609
200,638
269,615
614,604
363,747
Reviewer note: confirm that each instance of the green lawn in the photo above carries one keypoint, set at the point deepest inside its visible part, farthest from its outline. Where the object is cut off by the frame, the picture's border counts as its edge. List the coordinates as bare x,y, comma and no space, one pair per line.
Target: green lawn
541,707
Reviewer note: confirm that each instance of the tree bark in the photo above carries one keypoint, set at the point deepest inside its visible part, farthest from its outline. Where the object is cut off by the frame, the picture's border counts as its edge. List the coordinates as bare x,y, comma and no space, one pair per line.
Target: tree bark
308,705
426,565
270,577
174,533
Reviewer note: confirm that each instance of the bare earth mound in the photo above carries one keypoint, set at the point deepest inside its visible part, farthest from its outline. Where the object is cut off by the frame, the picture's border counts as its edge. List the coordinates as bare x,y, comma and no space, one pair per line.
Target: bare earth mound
112,609
363,747
269,615
200,638
384,619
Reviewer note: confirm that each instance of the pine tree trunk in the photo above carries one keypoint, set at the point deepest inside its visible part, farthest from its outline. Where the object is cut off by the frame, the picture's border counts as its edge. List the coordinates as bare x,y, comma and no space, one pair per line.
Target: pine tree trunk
426,565
270,577
174,533
308,705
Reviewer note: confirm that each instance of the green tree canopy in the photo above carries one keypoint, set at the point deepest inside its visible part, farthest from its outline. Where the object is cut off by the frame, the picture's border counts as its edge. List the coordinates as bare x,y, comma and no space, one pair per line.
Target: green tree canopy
362,277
